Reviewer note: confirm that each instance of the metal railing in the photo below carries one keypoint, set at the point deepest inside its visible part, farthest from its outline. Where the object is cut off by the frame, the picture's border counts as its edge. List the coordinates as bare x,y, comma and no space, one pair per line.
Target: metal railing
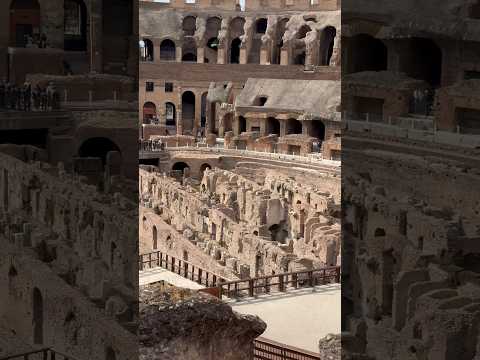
311,158
39,354
279,283
181,267
264,349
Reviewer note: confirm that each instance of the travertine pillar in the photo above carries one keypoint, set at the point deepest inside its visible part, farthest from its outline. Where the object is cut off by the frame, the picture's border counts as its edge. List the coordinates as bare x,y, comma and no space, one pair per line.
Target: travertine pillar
243,55
284,56
200,55
178,52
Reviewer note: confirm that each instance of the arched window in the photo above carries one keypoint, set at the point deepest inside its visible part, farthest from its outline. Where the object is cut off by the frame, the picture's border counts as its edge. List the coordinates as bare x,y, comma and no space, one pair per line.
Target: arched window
261,26
188,110
75,25
149,112
189,50
24,21
147,51
189,25
326,45
167,50
170,114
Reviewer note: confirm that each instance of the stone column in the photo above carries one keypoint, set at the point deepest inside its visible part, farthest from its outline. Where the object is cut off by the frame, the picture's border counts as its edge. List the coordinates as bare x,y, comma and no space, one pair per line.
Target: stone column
243,55
156,51
178,53
284,56
200,55
198,113
283,127
236,125
312,53
264,58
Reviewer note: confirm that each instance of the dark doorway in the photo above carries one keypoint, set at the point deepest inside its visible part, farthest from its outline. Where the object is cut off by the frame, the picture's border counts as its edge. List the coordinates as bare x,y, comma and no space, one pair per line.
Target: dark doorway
188,110
235,51
167,50
98,148
366,54
37,316
24,21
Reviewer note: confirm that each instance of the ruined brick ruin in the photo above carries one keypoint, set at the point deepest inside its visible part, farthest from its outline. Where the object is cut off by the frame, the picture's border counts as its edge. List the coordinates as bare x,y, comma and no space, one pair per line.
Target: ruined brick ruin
409,180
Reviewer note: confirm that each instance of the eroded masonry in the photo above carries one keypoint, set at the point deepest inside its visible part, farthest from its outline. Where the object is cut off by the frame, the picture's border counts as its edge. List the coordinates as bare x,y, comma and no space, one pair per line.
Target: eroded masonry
239,176
410,199
68,179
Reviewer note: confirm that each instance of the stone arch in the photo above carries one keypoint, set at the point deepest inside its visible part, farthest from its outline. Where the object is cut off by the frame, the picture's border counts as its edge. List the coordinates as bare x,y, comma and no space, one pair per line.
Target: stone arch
75,25
261,26
327,40
180,166
38,316
148,52
167,50
424,62
277,49
189,25
236,30
366,53
97,147
318,129
24,21
188,110
294,126
149,112
189,50
154,238
379,232
170,114
212,29
302,31
273,126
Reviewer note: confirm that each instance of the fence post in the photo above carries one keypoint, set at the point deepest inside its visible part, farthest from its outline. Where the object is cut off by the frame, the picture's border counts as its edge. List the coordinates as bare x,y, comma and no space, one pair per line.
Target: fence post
281,285
149,260
337,274
173,264
199,279
250,287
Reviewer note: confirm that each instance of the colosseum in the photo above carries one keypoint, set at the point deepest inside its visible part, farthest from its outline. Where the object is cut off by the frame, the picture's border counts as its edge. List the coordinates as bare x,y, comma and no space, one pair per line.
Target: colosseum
68,179
239,179
410,174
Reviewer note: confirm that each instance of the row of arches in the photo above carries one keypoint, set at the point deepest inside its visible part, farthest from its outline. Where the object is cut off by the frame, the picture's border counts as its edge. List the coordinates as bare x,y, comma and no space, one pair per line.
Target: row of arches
236,31
419,58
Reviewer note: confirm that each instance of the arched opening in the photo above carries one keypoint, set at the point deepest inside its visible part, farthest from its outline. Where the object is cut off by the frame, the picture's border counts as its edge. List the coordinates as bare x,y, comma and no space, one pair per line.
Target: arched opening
167,50
261,26
365,53
147,51
170,114
302,32
318,129
97,147
203,110
327,41
235,51
236,30
278,233
149,112
260,101
75,25
180,167
189,25
24,21
474,11
379,232
273,126
424,61
242,124
37,302
212,28
154,238
188,110
203,168
189,50
294,126
277,50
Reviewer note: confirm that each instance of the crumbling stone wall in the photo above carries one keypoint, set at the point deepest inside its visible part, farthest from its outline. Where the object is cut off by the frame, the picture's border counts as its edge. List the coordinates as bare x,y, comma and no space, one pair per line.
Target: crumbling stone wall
76,234
251,227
